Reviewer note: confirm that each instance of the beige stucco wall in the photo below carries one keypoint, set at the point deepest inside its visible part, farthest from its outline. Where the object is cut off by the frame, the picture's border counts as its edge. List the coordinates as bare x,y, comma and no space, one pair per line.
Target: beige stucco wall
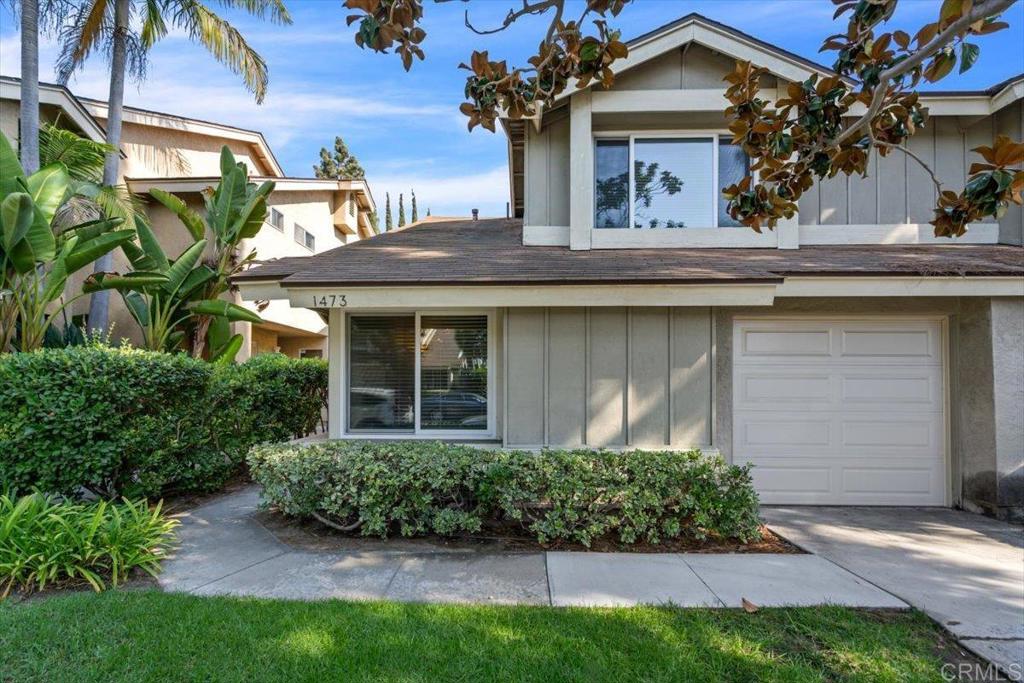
168,152
608,376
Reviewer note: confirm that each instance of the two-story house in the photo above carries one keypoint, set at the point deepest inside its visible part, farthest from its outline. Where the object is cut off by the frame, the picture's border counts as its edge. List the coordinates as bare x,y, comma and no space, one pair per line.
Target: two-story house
849,355
181,155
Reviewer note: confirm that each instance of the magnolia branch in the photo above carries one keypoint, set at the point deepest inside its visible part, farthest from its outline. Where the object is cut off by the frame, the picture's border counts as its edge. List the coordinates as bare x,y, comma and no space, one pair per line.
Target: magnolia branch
513,15
980,11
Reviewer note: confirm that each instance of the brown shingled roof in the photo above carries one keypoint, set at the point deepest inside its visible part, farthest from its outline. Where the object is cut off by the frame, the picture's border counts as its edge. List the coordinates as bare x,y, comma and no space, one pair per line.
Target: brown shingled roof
490,252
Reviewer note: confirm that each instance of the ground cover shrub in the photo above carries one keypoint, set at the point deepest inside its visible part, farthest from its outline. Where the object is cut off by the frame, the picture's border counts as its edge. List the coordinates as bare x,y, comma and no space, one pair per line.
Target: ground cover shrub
127,422
46,540
410,488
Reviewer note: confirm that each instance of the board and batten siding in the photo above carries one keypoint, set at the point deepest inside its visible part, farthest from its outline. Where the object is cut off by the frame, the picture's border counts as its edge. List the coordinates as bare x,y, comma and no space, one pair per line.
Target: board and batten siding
608,377
898,191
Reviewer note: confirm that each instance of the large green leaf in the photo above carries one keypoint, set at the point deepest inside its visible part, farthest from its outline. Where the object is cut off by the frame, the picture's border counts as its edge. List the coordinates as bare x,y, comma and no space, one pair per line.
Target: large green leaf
155,258
227,160
225,309
139,281
88,251
228,200
250,219
192,221
53,285
15,218
182,266
10,167
196,279
226,353
93,229
137,307
48,187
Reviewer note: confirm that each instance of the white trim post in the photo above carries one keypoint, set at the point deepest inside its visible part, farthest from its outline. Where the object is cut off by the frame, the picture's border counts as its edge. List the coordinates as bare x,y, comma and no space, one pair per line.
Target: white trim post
581,171
336,373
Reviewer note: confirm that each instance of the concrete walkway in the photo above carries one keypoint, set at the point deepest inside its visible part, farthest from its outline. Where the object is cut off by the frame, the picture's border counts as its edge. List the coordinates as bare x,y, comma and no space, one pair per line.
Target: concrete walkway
225,550
963,570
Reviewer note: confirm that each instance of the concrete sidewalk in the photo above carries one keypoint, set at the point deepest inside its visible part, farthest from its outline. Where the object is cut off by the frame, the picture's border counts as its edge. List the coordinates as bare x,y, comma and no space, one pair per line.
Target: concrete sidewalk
964,570
225,550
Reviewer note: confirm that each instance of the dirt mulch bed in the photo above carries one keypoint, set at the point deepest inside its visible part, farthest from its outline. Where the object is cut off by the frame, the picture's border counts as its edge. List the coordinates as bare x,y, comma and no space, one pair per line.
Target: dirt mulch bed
138,580
311,535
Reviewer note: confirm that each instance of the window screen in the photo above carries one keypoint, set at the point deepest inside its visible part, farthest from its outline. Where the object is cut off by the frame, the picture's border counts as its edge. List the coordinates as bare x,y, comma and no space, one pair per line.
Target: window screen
277,219
733,166
611,174
382,367
453,372
672,183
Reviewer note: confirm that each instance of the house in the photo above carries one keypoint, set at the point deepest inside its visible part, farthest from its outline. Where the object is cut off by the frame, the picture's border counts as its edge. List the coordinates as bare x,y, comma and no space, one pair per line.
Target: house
181,155
849,355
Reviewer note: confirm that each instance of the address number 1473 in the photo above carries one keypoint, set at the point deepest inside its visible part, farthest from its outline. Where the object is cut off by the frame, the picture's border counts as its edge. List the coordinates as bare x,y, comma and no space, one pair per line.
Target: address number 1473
329,301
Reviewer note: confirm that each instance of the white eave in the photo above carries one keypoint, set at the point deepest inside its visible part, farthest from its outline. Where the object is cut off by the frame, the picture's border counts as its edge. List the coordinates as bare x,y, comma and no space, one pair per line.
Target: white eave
58,96
186,185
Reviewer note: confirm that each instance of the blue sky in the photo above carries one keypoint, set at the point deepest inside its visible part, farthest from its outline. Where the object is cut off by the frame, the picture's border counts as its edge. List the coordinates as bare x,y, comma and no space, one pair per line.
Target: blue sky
405,127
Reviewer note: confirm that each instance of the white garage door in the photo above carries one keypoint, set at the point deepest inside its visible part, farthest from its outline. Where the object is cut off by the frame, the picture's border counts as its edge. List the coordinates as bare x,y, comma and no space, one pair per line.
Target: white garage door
841,412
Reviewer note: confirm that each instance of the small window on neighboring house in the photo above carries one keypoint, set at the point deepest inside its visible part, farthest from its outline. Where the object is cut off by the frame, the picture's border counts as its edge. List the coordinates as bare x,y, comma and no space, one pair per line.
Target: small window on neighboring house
305,238
277,219
311,353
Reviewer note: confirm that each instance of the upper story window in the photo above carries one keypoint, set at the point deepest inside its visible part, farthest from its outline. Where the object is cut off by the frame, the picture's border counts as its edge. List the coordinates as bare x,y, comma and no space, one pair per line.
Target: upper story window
305,238
665,180
277,219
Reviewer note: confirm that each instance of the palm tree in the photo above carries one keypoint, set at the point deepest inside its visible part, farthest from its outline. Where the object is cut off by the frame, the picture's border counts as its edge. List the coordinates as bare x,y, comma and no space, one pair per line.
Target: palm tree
107,25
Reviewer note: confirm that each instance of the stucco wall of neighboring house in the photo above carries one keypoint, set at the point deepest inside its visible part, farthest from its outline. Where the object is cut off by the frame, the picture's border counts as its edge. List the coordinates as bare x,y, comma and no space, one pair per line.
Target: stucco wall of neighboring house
986,386
9,113
608,376
168,152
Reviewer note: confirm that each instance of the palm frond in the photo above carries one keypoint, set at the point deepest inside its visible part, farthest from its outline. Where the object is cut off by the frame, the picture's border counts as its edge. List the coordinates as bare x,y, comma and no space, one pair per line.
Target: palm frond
83,158
153,25
89,28
261,9
224,42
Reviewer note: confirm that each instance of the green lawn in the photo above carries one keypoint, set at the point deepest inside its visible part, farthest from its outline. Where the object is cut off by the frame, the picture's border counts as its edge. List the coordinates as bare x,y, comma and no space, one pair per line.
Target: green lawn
145,635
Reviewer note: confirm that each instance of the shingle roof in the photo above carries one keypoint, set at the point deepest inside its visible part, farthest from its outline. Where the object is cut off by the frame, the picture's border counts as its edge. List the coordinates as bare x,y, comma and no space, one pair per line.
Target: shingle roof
490,252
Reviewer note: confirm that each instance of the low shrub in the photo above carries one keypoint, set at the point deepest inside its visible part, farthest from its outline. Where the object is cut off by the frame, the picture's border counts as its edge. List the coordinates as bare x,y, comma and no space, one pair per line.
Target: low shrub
580,495
126,422
46,541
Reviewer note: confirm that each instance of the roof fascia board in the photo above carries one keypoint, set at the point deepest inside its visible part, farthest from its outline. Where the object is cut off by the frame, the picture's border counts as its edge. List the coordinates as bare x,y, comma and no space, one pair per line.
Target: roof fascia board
865,286
60,97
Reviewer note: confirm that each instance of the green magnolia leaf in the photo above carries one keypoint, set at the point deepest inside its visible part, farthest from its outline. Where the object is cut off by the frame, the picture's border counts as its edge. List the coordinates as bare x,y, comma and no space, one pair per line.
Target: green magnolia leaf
192,221
225,309
968,55
88,251
16,216
182,266
48,187
226,354
10,167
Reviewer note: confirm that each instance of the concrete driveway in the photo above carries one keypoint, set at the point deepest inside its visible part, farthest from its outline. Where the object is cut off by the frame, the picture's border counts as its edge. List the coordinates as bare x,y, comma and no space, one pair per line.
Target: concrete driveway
964,570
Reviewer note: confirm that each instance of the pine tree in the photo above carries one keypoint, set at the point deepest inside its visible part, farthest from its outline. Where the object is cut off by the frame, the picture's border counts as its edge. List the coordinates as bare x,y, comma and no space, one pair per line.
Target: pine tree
375,220
401,211
428,210
387,213
415,216
340,164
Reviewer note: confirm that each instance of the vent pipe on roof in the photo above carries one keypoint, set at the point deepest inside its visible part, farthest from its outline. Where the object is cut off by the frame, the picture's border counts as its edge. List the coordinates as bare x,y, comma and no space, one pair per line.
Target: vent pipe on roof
476,214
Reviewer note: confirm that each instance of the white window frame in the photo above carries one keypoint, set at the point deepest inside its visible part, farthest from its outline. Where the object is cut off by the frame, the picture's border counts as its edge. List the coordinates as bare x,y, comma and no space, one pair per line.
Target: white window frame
632,135
270,219
418,432
306,234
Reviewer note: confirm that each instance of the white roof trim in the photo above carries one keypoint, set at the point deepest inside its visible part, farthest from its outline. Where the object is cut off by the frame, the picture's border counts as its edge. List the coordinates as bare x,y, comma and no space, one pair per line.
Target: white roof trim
360,187
59,97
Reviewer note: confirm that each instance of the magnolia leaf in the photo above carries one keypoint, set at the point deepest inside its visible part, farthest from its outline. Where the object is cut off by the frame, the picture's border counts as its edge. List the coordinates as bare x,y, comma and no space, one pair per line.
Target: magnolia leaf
968,55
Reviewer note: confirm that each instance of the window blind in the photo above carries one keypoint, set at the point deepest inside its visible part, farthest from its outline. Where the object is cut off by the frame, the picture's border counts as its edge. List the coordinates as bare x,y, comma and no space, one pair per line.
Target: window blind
382,367
453,372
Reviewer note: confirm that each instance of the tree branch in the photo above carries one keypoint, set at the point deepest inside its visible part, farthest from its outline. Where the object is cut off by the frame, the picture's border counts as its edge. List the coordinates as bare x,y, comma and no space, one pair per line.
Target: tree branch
539,7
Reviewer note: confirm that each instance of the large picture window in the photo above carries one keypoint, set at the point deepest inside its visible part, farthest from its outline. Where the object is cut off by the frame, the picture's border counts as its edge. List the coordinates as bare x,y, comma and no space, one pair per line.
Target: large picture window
665,181
411,373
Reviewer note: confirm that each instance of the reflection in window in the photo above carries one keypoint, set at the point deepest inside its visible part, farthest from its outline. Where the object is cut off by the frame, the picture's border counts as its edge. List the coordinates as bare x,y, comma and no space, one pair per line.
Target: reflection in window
733,166
611,173
672,183
382,367
453,372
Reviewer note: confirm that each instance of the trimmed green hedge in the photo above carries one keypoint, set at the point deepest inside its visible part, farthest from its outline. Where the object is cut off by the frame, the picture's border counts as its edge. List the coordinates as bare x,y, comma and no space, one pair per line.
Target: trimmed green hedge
577,495
127,422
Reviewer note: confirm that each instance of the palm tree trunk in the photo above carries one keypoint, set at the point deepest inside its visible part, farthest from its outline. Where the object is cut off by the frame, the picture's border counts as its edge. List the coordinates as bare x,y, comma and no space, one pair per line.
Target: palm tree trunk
28,136
99,303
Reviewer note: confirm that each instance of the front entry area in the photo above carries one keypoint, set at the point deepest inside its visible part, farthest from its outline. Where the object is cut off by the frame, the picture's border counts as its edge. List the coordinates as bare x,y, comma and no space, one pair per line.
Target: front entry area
841,411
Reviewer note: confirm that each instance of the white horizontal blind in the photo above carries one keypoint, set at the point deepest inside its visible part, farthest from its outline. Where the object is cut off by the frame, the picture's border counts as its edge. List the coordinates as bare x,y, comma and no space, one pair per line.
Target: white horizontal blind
382,372
673,183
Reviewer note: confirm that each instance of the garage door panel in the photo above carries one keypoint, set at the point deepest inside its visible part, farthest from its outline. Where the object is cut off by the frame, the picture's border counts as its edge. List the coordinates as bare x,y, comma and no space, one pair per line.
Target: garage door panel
862,424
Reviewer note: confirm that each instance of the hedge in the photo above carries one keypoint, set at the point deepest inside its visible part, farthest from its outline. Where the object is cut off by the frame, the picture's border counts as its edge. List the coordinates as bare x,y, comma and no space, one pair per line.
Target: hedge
412,488
127,422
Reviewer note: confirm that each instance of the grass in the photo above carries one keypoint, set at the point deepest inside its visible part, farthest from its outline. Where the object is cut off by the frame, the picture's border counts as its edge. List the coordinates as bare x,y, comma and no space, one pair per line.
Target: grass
146,635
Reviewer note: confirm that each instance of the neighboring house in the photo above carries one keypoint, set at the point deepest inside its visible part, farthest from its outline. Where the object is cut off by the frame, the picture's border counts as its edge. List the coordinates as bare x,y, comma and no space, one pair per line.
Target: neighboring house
181,155
849,355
